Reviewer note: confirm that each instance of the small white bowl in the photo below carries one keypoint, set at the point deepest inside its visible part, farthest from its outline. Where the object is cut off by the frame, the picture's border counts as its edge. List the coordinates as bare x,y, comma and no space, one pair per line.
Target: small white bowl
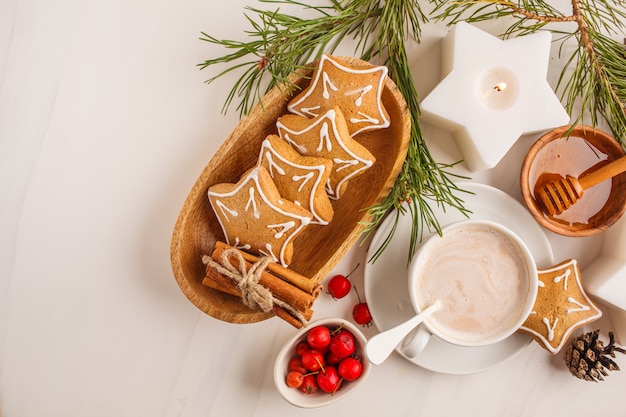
319,398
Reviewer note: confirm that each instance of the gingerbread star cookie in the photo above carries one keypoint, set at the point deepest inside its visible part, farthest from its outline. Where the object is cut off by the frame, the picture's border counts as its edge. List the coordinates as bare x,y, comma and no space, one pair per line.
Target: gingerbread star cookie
298,178
562,306
357,91
254,216
327,136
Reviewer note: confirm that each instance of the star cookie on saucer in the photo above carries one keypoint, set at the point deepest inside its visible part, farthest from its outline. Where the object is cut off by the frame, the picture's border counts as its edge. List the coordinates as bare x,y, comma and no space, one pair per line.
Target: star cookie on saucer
298,178
357,91
327,136
562,306
254,216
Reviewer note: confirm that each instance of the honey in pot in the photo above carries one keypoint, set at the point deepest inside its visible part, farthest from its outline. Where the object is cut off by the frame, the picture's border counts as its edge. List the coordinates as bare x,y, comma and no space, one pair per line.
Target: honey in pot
572,156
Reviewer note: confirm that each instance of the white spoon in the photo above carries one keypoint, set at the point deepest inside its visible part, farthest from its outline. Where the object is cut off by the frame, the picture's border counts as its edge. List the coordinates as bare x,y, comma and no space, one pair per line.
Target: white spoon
379,347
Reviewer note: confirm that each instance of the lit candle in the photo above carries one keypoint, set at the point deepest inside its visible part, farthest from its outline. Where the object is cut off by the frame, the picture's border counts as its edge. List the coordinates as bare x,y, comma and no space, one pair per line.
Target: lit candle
499,88
492,92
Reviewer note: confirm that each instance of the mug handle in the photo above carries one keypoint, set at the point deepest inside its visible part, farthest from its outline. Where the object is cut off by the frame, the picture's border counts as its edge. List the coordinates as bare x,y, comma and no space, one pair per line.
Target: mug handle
415,342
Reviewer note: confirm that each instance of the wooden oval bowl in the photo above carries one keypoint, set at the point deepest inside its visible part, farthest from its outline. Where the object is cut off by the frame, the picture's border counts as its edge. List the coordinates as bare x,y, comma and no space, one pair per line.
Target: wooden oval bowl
588,220
318,249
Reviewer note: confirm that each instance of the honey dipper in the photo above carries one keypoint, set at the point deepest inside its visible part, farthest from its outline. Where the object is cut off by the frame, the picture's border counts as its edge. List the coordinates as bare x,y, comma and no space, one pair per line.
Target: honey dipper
557,196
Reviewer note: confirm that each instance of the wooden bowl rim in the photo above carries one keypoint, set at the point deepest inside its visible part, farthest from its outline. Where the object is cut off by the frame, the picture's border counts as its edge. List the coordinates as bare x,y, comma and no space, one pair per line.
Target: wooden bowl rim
593,135
392,169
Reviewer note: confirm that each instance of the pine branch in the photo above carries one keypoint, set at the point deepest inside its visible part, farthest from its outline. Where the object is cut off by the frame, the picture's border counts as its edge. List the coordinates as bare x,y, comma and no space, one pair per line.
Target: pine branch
282,44
421,181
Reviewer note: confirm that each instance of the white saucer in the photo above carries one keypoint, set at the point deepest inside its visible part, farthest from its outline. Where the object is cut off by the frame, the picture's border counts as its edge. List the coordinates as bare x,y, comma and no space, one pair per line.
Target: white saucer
386,279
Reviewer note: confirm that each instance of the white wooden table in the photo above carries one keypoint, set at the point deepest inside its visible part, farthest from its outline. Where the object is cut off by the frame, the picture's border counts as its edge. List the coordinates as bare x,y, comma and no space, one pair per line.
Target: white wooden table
105,123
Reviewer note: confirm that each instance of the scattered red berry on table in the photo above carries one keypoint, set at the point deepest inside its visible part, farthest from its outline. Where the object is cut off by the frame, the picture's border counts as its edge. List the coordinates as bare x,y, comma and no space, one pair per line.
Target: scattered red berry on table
339,286
361,312
325,370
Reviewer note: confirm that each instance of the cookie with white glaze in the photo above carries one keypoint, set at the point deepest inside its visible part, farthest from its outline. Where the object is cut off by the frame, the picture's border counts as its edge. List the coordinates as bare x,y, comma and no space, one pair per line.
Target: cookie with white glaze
256,218
356,91
300,179
327,136
561,307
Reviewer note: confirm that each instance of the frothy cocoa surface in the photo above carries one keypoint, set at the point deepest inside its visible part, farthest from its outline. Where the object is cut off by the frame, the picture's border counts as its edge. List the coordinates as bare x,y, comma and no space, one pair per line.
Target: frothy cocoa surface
482,280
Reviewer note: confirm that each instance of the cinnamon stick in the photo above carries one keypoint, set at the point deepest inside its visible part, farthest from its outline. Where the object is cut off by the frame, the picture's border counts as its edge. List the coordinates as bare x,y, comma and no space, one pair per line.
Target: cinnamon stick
286,274
220,282
292,295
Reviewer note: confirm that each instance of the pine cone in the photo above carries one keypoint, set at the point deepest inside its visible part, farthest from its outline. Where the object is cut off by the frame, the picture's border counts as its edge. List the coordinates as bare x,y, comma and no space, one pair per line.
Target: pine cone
588,359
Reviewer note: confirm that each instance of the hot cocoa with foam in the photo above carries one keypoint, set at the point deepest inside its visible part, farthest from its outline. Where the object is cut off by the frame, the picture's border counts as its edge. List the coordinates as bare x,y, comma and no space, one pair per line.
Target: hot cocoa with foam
482,279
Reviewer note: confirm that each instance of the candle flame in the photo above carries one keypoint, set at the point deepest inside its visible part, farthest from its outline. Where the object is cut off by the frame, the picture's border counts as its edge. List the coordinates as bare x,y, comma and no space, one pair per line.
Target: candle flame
500,87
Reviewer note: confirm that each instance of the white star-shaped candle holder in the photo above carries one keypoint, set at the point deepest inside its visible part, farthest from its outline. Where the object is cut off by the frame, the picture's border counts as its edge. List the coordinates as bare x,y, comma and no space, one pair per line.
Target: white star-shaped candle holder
493,91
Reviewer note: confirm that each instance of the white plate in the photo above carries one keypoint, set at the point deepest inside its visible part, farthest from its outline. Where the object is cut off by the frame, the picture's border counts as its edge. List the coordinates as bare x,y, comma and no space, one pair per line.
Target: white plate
386,287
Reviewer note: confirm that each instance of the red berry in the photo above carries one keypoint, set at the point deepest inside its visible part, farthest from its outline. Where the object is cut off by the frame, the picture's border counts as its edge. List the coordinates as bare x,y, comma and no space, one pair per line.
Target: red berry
318,337
301,348
309,384
339,285
332,359
350,368
342,344
295,379
313,360
361,312
329,380
295,364
325,359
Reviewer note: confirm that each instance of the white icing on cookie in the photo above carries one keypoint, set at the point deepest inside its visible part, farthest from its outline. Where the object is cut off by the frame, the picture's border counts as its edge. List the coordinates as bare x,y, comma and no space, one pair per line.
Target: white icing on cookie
366,118
225,210
238,245
313,171
361,93
273,165
343,164
327,83
564,277
324,139
581,306
311,111
252,202
269,252
303,180
550,327
282,228
329,119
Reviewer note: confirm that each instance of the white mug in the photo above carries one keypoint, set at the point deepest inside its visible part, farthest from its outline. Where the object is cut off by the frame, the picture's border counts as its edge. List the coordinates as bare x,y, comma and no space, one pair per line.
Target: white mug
485,279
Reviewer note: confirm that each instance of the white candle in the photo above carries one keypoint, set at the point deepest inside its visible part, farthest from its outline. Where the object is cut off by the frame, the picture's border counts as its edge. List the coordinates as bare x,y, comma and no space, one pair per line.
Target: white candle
498,88
492,92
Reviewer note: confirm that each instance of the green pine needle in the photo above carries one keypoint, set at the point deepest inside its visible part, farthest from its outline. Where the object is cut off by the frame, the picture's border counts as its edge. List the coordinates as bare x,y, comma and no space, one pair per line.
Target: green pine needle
280,44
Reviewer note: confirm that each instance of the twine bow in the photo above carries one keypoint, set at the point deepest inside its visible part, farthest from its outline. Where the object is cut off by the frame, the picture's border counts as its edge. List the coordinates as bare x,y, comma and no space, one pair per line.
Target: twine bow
253,294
